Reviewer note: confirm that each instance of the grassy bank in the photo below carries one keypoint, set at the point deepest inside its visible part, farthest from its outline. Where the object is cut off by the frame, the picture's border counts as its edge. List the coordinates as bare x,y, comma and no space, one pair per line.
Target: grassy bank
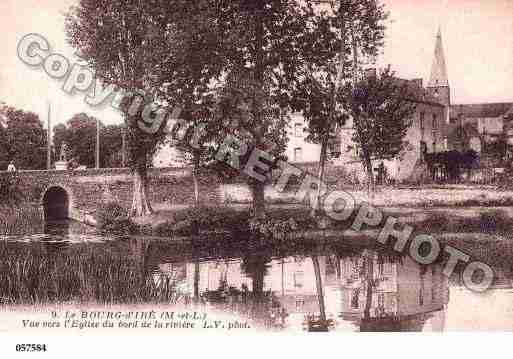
82,273
409,197
281,222
16,220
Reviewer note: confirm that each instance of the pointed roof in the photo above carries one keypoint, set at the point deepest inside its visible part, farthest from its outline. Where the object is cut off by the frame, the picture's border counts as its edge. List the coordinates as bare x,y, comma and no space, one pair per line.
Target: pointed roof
439,70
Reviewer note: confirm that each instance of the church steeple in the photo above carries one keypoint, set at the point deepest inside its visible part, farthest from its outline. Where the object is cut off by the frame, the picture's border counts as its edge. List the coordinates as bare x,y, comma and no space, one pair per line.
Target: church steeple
439,70
438,83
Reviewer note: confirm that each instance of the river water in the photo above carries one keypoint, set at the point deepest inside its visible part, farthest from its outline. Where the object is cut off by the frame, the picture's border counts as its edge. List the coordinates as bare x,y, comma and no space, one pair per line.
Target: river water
316,288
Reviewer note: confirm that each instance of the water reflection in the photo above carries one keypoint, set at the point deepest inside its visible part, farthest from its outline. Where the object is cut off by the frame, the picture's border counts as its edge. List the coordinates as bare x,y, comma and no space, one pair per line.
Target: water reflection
367,292
317,289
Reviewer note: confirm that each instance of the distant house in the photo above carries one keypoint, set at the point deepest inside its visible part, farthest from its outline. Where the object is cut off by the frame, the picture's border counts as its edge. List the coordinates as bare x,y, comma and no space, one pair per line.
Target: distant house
471,126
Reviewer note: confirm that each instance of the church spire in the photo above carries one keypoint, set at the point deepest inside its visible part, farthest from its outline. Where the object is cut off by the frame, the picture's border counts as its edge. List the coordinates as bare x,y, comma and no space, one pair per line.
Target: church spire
439,70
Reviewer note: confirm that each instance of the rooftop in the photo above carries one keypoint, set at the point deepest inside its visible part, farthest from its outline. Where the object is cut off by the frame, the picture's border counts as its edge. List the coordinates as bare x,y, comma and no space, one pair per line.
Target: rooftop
482,110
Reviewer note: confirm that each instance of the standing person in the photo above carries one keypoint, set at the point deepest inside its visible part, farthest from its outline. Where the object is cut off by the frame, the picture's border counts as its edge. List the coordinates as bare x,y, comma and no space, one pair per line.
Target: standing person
11,167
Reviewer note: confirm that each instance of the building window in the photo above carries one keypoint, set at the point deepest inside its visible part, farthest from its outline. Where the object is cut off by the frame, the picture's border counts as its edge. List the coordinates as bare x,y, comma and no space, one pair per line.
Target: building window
298,130
298,154
298,279
355,298
356,151
300,303
422,125
435,123
381,300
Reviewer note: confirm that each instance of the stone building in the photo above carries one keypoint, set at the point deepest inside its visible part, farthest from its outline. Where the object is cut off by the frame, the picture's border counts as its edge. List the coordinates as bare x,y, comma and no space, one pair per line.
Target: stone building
437,125
425,135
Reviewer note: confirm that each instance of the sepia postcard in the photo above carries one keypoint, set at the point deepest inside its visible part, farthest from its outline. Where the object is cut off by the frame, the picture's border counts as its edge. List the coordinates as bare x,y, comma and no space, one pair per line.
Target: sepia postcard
254,168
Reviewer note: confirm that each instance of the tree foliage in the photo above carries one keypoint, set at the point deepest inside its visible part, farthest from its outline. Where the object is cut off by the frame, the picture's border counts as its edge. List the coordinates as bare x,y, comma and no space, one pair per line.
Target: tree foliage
121,40
262,59
381,107
22,139
342,37
79,134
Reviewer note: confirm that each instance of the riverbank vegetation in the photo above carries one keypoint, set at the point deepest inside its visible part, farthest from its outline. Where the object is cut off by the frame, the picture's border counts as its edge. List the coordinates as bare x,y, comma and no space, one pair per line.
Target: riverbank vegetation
17,220
39,274
15,217
283,223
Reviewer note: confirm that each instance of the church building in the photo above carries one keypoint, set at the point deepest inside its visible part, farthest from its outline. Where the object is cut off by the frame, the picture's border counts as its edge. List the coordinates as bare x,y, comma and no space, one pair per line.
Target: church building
438,125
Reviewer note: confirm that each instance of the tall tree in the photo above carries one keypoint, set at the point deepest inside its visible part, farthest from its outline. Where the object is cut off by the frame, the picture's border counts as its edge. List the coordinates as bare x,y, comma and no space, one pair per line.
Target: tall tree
111,146
257,130
345,34
121,41
187,77
22,139
4,146
381,107
262,58
79,135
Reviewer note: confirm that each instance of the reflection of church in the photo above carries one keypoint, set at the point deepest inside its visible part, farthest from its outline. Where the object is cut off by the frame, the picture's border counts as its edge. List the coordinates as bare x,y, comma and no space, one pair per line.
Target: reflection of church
402,296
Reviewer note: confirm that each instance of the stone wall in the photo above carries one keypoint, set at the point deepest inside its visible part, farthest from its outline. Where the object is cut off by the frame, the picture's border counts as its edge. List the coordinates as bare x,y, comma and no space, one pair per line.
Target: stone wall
89,188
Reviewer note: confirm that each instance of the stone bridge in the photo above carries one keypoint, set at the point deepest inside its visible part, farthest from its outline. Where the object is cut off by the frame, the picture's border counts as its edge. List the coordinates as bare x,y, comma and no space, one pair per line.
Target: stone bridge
77,194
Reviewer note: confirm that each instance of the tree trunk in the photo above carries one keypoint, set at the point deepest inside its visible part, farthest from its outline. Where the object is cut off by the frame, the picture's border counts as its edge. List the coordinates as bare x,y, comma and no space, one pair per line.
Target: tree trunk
257,188
196,281
140,201
325,139
195,179
322,166
337,267
258,194
370,177
320,292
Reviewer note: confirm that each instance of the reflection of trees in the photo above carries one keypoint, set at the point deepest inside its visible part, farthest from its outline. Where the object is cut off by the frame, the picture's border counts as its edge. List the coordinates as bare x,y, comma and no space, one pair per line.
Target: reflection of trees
368,264
255,267
196,280
160,288
322,323
140,253
261,306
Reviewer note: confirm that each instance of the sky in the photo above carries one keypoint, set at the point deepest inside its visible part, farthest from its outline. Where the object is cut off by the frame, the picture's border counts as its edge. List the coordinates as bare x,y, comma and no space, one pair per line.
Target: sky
477,38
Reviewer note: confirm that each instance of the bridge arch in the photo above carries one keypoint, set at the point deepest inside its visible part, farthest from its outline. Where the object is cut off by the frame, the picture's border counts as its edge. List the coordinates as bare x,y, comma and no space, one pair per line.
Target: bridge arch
56,202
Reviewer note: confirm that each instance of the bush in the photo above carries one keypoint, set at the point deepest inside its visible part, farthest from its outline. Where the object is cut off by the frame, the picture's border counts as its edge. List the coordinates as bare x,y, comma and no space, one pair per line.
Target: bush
113,218
195,219
272,228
